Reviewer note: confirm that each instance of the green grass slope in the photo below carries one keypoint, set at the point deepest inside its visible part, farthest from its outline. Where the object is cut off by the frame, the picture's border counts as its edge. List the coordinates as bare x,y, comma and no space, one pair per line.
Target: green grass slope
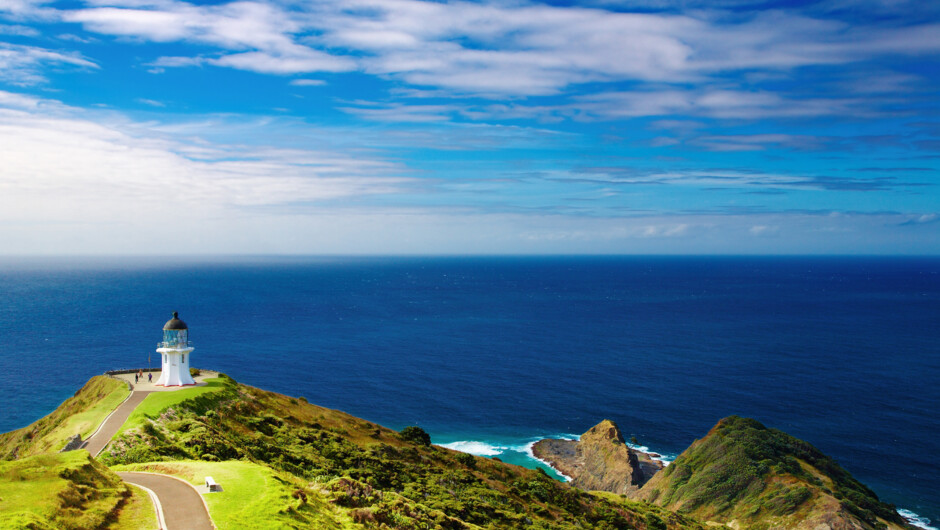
255,496
157,402
63,491
373,476
749,476
79,414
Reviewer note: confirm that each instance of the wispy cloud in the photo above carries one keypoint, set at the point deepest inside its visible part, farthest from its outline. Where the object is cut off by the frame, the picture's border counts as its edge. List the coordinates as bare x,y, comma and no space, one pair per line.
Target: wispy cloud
307,82
724,179
402,113
54,155
25,65
495,48
151,102
27,31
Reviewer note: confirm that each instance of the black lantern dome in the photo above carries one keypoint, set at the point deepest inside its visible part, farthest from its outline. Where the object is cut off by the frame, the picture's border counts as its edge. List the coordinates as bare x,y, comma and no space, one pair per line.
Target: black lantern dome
175,333
175,323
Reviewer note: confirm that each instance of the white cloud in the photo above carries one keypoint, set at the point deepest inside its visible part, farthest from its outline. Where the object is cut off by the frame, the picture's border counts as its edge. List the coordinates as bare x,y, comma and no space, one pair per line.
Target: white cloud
261,34
764,230
61,165
307,82
403,113
299,60
23,65
151,102
24,31
662,100
501,48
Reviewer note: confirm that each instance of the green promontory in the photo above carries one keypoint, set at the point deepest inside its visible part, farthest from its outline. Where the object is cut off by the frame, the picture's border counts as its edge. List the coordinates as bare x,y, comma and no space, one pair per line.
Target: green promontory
748,476
284,463
353,472
79,414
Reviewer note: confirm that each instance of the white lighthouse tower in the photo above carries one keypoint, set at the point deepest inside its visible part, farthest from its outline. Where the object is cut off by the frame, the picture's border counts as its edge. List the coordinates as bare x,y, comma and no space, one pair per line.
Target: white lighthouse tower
175,350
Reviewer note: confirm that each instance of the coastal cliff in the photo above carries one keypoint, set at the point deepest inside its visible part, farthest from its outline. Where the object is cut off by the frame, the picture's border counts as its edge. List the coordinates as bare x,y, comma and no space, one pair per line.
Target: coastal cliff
599,460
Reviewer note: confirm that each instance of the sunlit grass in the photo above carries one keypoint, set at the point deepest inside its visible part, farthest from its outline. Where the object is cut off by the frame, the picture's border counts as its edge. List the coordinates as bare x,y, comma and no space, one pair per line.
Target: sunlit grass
66,490
253,496
80,414
138,513
157,402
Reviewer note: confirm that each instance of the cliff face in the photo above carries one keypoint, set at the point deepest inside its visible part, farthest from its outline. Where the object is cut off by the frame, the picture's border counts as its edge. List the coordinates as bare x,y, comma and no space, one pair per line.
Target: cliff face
748,476
599,461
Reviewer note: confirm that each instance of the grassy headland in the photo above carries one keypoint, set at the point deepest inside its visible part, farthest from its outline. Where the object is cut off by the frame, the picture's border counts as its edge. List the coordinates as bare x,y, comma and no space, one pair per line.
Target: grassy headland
79,414
284,463
746,474
374,476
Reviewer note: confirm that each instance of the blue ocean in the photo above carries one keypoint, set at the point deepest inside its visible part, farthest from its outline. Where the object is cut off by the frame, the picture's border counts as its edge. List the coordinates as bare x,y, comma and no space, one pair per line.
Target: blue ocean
490,354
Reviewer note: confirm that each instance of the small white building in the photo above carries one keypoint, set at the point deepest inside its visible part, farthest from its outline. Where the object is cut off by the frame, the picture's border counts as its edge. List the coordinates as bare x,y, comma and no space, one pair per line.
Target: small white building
175,351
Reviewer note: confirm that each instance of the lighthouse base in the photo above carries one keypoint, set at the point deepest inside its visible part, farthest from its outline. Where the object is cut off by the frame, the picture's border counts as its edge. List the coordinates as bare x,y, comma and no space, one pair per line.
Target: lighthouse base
175,367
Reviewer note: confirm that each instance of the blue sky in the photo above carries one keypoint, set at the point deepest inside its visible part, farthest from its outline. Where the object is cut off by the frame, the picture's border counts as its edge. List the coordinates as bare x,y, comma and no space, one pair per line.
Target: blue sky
404,126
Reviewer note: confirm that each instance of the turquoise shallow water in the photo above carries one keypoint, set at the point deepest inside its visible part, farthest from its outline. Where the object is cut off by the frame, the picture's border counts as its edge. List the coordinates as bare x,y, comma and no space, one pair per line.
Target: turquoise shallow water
493,353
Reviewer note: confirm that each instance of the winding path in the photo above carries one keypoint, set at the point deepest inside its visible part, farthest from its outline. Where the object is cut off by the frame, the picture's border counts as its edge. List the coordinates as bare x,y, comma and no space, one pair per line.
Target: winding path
179,506
182,506
97,441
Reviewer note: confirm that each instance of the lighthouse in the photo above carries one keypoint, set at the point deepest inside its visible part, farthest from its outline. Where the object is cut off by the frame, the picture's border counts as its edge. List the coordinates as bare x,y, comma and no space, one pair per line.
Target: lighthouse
175,350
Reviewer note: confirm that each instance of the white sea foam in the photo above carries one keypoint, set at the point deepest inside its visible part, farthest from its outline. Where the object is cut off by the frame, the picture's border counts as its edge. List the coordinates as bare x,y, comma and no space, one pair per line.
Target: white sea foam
666,459
916,520
476,448
527,449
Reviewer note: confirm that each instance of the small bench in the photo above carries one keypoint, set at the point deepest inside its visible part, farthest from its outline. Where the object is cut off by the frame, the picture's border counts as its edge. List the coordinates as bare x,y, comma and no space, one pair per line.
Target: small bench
212,484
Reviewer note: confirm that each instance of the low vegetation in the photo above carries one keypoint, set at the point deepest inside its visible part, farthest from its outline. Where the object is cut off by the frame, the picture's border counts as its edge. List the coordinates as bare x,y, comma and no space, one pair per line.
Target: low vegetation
255,496
157,402
746,473
138,512
284,463
375,476
79,414
63,491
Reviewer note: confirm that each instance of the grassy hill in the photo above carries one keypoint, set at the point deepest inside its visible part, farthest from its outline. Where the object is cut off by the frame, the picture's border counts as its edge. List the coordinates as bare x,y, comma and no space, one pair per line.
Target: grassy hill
79,414
157,402
349,471
69,491
284,463
255,496
749,476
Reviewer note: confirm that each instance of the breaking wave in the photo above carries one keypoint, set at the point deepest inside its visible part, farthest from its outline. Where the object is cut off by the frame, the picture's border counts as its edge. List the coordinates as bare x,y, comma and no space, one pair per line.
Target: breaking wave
916,520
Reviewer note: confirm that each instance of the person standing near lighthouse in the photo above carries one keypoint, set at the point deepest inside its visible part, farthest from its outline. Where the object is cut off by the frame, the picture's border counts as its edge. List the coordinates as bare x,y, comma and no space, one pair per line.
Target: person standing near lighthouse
175,351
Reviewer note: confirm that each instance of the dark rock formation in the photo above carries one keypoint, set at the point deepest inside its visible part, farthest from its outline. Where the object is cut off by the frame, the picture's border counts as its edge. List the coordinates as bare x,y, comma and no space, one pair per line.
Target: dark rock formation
73,443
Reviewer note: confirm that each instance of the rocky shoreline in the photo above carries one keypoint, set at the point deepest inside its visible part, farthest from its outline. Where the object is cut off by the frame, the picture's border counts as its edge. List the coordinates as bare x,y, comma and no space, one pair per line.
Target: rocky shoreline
599,460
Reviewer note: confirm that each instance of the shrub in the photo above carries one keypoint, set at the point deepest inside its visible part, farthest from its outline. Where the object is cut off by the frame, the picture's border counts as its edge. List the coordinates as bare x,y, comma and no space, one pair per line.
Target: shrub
653,522
416,435
194,372
467,460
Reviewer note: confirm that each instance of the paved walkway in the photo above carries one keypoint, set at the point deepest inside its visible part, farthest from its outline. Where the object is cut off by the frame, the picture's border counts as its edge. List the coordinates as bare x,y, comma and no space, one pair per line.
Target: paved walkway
110,427
182,506
145,385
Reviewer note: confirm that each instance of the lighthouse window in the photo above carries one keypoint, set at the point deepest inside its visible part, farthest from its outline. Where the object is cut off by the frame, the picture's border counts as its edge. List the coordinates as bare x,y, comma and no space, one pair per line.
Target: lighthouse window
184,357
